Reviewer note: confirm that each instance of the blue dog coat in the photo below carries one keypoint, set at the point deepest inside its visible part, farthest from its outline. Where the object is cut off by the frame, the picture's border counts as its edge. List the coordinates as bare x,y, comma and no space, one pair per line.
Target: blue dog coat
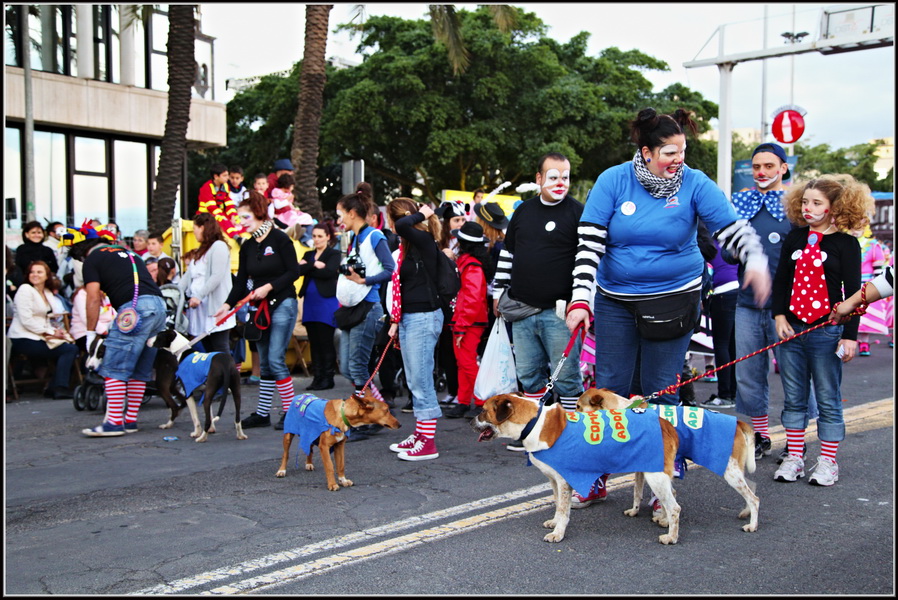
305,418
706,436
193,372
605,441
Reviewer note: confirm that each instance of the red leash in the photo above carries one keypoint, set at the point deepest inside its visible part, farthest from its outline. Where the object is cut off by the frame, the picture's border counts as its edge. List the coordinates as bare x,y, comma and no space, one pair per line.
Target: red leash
860,310
377,368
561,362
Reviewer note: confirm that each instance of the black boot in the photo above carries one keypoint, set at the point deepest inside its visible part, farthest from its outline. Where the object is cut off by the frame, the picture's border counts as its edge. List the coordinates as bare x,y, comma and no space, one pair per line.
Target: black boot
316,384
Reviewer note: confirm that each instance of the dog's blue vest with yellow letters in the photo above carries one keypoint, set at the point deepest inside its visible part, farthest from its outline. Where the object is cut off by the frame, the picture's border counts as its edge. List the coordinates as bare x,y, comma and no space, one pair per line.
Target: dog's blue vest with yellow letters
193,371
706,436
305,418
605,441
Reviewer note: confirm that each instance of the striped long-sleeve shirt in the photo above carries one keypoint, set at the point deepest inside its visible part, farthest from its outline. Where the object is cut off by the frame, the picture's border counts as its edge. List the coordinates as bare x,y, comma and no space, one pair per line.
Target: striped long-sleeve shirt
633,246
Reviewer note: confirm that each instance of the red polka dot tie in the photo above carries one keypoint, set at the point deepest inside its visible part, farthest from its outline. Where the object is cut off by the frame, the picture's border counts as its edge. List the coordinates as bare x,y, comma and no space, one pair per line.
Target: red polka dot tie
810,300
396,306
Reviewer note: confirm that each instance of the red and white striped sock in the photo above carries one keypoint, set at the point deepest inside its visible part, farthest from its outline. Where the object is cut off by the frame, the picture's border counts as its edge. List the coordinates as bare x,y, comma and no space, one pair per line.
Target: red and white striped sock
115,400
795,441
266,391
135,399
761,425
828,449
285,389
426,429
535,395
375,392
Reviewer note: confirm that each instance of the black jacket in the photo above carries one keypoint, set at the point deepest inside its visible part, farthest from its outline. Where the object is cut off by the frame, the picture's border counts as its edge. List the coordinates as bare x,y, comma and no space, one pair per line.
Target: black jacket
29,252
326,278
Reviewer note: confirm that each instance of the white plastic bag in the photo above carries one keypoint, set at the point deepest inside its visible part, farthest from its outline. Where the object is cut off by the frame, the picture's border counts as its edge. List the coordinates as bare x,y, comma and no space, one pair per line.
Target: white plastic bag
497,370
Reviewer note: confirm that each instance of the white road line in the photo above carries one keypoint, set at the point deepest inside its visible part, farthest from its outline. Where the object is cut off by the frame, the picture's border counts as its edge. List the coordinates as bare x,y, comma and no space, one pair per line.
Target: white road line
867,416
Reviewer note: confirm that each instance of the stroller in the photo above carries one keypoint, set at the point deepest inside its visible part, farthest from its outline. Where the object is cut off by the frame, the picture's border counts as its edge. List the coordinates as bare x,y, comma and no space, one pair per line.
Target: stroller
175,316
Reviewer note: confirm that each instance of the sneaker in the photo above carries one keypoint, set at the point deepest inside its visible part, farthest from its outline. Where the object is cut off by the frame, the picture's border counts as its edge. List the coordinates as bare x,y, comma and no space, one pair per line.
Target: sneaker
448,399
409,407
255,420
826,472
863,350
515,446
785,452
354,434
473,411
457,411
104,430
280,424
131,427
762,446
253,380
424,449
406,444
791,470
716,401
596,492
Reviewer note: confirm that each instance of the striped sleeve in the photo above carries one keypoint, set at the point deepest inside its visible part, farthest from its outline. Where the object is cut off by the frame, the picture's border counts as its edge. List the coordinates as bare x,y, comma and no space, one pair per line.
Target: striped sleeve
502,279
740,240
590,250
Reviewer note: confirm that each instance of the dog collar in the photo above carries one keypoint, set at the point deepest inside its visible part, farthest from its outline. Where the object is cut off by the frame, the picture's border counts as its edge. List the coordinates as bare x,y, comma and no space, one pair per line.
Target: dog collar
343,413
529,426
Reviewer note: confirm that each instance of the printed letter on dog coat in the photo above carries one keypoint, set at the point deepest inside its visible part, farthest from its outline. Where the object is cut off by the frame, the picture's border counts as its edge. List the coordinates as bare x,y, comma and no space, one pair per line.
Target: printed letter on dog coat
193,372
706,436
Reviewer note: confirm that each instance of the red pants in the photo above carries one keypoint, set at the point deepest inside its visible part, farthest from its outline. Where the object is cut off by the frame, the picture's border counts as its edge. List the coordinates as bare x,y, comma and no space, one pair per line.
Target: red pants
466,358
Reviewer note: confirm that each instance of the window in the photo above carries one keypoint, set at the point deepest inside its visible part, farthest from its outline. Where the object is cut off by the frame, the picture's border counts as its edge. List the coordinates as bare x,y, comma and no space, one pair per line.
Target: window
90,183
131,204
12,178
157,39
50,176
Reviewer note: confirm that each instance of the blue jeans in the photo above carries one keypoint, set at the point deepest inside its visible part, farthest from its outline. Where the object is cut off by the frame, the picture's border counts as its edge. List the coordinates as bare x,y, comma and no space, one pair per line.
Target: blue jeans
418,335
356,345
813,357
127,355
756,329
617,345
64,354
273,345
539,342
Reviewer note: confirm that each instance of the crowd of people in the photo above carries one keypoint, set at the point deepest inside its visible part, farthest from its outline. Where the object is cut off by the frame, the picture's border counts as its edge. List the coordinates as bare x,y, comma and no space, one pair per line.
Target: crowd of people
631,270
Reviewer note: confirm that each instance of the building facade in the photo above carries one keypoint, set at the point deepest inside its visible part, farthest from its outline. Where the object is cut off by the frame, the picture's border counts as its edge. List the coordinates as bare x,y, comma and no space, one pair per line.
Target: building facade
98,99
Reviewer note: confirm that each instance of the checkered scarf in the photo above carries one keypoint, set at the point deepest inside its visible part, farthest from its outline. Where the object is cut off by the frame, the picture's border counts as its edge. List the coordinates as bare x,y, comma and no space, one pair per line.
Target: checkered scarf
654,185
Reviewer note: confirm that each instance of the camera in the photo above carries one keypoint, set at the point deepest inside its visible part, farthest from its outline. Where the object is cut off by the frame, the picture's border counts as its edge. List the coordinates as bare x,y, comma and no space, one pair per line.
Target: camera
355,263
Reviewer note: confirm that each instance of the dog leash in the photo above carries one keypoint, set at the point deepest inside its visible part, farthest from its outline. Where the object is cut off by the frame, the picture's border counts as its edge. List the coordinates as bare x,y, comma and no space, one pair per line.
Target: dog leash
860,310
221,320
377,368
570,345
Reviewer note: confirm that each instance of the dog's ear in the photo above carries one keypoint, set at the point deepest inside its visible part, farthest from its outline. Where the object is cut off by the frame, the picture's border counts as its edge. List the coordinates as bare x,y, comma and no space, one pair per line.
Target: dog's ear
504,408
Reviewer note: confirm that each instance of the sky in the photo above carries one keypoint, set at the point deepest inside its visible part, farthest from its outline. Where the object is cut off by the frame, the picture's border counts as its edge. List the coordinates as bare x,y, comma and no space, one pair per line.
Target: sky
848,98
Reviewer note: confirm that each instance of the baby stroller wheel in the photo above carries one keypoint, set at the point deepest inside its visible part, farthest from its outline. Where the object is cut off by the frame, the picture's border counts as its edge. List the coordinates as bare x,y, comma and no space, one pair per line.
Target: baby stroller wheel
93,396
79,398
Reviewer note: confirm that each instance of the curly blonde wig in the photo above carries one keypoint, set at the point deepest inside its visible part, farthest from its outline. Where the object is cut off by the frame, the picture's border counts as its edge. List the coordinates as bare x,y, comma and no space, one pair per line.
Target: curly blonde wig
851,203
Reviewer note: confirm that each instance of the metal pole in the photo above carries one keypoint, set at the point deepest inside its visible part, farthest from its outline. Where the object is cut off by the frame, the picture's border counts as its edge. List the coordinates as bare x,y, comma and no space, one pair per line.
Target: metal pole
30,212
725,143
764,84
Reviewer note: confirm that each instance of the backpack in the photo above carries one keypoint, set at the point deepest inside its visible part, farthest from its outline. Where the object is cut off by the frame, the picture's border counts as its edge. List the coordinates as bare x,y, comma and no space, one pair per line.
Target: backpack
447,282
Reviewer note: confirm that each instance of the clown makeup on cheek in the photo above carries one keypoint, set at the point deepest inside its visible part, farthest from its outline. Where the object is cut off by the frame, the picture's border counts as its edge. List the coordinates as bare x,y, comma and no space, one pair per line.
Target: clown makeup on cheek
557,183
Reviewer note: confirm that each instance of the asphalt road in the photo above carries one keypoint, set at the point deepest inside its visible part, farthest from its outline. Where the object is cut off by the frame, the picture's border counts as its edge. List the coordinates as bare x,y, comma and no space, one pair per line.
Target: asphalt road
140,515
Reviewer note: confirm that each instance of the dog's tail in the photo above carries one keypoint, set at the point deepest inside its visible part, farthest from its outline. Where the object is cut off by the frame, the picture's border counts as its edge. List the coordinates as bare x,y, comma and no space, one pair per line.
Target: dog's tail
748,436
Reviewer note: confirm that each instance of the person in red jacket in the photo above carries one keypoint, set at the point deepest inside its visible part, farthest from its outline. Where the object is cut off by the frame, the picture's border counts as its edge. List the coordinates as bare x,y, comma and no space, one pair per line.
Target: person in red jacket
215,198
281,166
470,318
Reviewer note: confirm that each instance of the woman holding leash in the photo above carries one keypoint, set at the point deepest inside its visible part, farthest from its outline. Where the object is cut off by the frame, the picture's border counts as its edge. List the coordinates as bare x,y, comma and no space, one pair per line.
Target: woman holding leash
639,267
320,268
818,263
207,283
268,268
417,316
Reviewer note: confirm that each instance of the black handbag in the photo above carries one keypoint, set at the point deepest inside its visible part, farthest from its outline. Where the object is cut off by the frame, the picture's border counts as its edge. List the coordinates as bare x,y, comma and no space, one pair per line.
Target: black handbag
669,317
348,317
257,322
514,310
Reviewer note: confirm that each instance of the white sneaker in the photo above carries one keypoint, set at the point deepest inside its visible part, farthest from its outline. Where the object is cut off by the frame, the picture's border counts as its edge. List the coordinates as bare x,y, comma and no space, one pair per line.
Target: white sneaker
791,470
826,472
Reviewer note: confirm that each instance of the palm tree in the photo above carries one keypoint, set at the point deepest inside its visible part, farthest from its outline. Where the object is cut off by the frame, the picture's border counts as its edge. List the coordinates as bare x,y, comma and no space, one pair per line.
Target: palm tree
181,75
304,154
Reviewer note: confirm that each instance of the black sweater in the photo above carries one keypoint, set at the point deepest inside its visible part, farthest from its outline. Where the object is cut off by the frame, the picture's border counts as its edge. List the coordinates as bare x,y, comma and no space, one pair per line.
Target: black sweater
273,261
418,267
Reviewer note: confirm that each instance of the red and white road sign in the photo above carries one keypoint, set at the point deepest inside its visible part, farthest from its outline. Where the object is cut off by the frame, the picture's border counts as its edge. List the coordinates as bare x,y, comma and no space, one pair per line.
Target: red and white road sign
787,126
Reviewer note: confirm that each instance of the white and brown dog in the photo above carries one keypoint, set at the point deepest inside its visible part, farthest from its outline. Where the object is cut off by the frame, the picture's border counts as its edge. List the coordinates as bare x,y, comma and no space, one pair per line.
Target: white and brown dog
182,374
573,449
696,430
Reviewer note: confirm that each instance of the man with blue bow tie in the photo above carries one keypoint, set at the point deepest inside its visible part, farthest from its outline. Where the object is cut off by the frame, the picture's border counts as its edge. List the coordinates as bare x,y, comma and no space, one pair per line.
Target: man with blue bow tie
755,328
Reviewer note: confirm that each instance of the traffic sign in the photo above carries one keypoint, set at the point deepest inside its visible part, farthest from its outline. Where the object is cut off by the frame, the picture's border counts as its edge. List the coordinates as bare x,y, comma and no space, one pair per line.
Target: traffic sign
787,126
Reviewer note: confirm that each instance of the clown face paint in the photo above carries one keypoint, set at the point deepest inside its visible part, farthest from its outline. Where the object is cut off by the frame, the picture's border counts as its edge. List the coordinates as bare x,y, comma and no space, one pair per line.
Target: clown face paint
815,208
555,180
668,158
767,170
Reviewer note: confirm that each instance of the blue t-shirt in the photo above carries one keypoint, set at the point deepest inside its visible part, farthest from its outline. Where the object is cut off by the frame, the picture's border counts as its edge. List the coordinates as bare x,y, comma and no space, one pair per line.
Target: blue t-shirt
651,246
605,441
305,418
193,371
706,436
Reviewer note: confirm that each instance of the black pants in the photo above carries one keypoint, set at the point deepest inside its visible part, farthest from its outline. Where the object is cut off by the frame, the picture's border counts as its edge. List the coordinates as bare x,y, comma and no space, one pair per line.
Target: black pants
217,342
324,354
723,332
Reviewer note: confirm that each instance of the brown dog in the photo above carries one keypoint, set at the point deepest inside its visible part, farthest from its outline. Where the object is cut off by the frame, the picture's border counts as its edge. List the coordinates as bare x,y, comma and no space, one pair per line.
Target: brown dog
742,453
325,422
539,428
